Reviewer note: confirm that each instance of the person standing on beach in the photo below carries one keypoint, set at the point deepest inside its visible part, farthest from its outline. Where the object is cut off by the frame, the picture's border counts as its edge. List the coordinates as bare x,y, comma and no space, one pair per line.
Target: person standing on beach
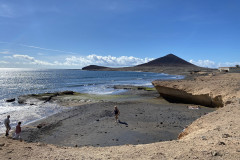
7,125
18,131
116,112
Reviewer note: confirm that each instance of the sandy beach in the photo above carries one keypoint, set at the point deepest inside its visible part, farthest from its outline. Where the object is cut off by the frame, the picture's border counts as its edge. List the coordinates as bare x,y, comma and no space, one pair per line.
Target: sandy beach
211,136
144,118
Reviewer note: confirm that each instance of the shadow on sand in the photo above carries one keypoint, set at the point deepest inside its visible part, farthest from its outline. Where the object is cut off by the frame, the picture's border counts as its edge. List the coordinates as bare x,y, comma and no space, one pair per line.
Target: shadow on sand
120,122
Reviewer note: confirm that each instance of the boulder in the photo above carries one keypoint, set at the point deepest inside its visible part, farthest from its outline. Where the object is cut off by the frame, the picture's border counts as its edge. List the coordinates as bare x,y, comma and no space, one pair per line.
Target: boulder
10,100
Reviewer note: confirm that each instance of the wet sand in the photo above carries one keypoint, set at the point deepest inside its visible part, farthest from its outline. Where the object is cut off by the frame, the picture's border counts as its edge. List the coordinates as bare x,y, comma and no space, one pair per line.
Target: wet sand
144,118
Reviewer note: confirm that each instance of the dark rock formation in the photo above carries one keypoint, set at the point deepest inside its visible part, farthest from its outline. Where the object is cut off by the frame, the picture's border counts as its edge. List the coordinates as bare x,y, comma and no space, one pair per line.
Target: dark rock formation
93,67
168,60
129,87
46,97
10,100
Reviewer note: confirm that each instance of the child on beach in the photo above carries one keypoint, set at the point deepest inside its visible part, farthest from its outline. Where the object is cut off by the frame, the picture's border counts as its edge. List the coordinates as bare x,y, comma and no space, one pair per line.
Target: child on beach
7,125
116,112
17,132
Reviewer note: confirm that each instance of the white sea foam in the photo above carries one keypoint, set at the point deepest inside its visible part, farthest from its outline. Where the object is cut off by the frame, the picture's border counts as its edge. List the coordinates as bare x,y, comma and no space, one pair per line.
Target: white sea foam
26,113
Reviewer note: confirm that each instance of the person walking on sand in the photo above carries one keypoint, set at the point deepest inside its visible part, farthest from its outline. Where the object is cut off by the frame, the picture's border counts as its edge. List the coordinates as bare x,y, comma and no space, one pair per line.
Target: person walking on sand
7,125
116,112
17,132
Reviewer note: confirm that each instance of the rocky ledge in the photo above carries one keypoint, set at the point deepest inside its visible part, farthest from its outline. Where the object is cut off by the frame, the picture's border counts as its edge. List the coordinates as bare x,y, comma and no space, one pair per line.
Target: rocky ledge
202,90
175,95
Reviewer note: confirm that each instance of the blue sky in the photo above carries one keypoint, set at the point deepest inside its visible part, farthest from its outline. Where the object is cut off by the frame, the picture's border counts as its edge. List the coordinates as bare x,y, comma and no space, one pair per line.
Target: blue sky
76,33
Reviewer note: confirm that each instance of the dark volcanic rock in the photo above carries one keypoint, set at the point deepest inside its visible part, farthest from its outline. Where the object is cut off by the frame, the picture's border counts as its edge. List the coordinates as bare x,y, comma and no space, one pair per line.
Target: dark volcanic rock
46,97
168,60
93,67
10,100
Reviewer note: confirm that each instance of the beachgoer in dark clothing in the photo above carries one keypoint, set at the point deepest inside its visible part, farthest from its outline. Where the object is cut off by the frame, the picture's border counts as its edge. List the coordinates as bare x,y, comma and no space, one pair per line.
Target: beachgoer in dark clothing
7,125
116,113
18,131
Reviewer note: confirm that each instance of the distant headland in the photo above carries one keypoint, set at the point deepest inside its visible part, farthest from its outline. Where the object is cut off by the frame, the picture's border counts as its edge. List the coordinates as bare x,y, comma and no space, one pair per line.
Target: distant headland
170,64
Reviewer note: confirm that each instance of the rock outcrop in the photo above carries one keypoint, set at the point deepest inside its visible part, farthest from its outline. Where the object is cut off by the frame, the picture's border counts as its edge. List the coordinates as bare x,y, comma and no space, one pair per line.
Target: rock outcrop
202,90
180,96
94,67
45,97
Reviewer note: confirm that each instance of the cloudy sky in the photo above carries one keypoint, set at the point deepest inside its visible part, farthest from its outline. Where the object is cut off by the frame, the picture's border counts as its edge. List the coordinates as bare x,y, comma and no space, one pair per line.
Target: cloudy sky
76,33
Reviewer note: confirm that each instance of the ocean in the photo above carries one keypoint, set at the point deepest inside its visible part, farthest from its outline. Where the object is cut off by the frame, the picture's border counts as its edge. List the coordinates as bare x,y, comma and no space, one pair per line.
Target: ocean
16,82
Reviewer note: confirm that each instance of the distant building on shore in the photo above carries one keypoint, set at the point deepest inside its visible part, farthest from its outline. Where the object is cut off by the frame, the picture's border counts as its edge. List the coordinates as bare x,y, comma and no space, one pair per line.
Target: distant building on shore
230,69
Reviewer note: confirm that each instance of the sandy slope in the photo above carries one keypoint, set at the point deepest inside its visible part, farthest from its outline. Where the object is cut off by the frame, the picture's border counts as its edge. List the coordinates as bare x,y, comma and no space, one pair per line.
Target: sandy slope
213,136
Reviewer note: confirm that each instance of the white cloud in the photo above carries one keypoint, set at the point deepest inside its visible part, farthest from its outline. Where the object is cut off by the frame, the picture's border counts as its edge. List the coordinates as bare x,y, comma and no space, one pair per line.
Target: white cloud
204,63
79,62
212,64
4,62
109,61
31,59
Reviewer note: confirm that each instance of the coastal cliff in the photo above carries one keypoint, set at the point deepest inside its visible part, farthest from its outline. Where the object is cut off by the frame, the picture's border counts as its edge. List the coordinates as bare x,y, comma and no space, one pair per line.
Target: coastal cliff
175,95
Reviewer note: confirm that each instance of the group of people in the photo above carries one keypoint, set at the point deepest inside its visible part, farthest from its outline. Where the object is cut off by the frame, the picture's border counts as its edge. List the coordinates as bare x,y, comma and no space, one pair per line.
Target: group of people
17,132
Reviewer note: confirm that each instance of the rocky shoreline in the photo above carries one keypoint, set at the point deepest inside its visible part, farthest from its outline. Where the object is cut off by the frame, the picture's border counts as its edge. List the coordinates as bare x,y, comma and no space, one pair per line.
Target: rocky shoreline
213,136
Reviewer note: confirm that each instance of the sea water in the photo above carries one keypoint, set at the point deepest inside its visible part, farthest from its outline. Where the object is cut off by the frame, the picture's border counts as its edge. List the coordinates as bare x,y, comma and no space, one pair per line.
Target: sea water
16,82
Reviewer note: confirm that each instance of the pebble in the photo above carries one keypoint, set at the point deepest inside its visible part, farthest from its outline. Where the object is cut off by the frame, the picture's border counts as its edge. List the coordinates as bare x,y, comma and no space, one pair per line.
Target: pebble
215,153
226,136
221,143
204,138
2,144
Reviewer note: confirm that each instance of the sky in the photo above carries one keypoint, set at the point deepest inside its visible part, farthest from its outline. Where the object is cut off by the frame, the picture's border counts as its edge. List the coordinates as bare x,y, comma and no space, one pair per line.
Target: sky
117,33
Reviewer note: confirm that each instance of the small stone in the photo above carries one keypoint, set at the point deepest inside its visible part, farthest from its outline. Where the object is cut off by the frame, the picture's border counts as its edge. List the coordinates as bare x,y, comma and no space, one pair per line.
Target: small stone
10,151
226,136
39,126
38,144
2,144
215,153
221,143
204,138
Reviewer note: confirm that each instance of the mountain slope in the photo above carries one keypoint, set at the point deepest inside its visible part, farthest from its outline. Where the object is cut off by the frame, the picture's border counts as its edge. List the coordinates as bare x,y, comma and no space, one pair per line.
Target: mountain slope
168,60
